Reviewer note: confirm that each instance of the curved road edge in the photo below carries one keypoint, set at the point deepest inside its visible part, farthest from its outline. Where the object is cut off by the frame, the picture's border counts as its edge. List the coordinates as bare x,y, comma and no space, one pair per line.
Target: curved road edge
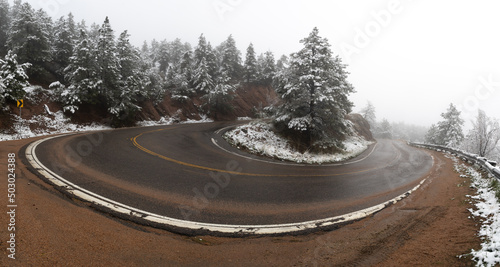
136,215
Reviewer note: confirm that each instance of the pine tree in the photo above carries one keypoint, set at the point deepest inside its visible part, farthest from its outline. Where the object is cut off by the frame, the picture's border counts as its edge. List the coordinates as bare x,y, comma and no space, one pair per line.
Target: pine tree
250,67
218,99
267,67
82,76
450,128
205,52
29,37
13,78
230,59
4,26
108,64
202,80
63,43
315,93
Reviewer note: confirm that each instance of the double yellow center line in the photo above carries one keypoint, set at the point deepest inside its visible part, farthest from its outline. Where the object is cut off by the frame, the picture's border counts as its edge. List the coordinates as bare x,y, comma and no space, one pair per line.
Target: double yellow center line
136,144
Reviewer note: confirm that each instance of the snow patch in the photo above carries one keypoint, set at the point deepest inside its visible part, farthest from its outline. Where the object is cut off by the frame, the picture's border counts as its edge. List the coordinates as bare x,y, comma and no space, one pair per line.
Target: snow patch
258,138
46,125
487,208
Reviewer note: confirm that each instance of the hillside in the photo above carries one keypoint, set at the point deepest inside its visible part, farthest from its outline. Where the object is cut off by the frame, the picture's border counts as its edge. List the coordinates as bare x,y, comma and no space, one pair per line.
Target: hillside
247,101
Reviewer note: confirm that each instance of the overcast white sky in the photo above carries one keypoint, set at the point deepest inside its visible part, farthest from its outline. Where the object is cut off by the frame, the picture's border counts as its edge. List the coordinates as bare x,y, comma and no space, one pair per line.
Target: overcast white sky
411,59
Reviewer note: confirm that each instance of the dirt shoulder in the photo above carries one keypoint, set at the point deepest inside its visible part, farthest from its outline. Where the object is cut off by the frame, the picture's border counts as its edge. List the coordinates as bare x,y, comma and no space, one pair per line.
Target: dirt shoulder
430,227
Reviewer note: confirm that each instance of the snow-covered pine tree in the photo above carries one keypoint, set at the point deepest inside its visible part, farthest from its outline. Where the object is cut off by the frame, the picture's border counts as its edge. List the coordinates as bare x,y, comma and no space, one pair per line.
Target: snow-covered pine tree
13,78
267,67
431,137
217,100
315,91
201,50
250,67
230,59
29,38
108,64
4,26
202,80
82,76
62,46
450,128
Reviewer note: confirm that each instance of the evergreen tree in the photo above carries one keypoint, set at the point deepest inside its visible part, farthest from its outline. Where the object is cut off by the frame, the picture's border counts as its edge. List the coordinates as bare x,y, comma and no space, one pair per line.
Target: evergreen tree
385,130
205,52
13,78
133,81
230,59
82,75
4,26
315,93
63,43
268,67
201,50
250,67
29,38
108,63
72,27
282,63
128,56
450,128
202,80
218,99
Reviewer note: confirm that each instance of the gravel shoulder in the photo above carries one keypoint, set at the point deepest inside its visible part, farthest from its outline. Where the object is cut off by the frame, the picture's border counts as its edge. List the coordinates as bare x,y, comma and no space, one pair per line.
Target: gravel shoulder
430,227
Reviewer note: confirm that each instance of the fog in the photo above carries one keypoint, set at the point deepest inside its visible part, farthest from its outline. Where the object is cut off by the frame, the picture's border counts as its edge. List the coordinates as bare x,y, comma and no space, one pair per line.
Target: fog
411,59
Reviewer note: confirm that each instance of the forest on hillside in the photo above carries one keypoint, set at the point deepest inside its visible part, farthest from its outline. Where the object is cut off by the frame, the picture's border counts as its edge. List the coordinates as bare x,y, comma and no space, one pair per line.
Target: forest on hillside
91,65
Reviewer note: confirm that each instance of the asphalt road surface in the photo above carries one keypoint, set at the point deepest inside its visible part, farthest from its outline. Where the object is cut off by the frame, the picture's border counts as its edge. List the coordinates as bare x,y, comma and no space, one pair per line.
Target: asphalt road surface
189,172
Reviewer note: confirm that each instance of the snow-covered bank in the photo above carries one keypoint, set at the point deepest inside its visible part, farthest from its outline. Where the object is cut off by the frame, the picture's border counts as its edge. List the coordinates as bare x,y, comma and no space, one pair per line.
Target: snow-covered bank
258,138
41,125
487,209
56,123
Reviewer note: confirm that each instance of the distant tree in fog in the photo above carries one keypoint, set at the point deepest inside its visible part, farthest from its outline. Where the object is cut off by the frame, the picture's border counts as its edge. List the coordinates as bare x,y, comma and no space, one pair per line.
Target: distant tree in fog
368,113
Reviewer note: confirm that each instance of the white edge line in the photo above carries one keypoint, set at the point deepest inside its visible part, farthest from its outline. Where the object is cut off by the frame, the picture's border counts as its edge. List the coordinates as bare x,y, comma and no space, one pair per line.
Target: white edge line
221,228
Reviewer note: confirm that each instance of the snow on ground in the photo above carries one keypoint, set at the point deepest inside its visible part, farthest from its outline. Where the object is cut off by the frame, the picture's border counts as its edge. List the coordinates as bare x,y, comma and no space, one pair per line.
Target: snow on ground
58,123
258,138
45,125
487,208
173,120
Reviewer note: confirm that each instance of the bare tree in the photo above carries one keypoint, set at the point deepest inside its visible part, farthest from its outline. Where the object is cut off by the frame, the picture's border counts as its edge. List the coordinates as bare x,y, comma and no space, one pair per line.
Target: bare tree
484,137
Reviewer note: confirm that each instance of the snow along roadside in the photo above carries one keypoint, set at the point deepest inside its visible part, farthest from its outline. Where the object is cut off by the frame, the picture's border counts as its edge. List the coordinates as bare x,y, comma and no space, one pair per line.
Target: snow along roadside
487,208
58,123
258,138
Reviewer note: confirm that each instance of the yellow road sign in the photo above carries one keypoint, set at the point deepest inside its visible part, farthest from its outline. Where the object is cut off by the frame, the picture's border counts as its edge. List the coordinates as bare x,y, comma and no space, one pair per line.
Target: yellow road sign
20,103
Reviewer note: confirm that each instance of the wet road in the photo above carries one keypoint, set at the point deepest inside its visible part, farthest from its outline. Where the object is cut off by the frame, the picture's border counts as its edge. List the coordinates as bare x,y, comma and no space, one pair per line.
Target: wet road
189,172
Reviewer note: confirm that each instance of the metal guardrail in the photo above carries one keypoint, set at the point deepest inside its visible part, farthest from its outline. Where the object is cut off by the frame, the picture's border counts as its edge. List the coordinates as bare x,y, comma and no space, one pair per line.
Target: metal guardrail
482,162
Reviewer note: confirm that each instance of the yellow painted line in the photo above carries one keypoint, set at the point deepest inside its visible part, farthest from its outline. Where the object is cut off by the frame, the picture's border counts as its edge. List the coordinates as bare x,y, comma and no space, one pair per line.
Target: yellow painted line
136,144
